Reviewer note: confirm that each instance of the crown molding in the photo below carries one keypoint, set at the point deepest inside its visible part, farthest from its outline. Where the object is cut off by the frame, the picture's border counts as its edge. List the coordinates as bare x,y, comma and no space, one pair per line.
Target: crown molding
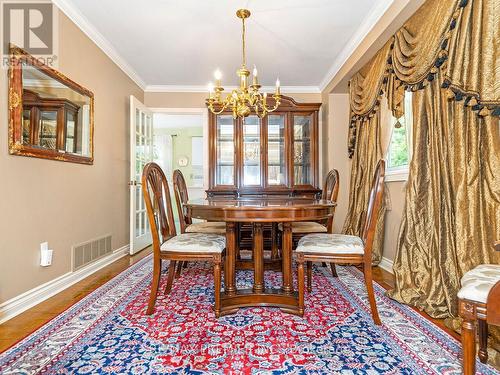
195,88
72,12
377,11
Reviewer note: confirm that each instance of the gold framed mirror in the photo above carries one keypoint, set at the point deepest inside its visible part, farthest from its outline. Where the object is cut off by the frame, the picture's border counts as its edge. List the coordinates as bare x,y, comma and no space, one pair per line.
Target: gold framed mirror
50,116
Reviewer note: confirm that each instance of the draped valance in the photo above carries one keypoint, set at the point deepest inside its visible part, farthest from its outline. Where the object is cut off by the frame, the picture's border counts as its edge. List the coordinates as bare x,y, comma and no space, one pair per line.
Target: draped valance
366,85
456,37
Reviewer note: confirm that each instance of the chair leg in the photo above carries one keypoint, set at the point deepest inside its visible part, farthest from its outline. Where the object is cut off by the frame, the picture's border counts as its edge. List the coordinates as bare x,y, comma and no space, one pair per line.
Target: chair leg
217,285
309,276
154,286
367,270
300,281
334,270
469,346
180,266
483,340
170,277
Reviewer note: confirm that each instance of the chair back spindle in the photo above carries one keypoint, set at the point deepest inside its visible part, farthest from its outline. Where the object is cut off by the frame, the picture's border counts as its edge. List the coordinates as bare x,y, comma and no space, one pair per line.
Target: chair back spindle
330,192
181,198
158,204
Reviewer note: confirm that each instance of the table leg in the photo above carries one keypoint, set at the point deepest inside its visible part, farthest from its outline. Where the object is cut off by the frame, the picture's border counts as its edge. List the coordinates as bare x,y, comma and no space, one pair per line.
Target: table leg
287,258
237,228
229,268
274,241
258,258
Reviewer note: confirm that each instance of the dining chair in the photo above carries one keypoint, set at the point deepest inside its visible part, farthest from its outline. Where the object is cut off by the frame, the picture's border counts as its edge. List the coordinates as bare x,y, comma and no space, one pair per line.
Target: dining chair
478,302
167,245
301,228
343,248
186,222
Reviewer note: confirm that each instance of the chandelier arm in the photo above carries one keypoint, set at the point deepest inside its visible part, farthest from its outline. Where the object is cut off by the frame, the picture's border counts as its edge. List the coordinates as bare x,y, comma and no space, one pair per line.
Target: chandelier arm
225,104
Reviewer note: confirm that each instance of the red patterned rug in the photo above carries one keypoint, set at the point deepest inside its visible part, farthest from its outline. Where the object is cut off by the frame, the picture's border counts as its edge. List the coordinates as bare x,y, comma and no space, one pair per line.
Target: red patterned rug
108,333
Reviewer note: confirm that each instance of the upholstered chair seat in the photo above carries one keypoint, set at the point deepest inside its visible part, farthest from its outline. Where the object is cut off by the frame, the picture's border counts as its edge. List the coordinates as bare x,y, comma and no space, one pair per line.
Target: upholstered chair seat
477,283
195,242
207,227
325,243
306,227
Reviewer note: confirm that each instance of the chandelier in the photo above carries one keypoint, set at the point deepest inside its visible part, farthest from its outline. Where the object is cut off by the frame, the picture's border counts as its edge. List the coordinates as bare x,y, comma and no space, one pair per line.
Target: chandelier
245,98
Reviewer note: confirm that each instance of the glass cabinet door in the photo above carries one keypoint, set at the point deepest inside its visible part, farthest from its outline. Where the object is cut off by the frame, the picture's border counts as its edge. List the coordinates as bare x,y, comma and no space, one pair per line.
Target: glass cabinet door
276,167
302,153
251,151
224,169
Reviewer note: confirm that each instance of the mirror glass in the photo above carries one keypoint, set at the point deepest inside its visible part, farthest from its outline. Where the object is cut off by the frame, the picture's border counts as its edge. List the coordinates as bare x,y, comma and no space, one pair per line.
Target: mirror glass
54,115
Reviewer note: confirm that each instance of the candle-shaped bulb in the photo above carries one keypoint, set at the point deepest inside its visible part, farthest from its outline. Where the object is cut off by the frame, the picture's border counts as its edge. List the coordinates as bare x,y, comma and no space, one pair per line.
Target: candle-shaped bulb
278,86
265,95
255,80
210,90
217,76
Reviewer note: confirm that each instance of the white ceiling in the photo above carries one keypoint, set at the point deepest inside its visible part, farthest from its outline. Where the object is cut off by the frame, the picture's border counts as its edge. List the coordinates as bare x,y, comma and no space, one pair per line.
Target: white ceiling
181,42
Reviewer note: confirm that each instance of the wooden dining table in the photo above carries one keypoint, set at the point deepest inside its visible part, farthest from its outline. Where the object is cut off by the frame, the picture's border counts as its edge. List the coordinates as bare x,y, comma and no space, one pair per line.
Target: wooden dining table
259,211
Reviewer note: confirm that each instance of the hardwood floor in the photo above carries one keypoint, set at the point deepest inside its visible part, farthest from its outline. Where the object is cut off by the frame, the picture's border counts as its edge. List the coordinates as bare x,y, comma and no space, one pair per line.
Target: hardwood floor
22,325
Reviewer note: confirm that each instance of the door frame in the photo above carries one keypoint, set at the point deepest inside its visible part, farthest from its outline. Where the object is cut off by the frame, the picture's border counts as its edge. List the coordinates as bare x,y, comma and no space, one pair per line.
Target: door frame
190,111
136,245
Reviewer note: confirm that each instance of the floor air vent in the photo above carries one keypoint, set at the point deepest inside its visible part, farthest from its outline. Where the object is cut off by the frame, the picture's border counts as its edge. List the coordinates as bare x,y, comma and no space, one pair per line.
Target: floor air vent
87,252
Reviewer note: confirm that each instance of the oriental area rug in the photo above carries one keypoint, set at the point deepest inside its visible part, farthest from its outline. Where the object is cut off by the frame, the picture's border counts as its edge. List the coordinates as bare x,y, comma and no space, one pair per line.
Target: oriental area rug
107,332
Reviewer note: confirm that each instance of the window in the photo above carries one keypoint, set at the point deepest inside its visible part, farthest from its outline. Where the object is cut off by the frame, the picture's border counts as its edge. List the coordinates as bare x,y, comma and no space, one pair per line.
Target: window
399,150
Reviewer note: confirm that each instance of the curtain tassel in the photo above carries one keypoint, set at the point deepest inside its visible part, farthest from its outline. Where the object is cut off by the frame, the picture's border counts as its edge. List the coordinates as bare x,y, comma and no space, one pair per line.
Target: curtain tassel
472,102
449,94
484,112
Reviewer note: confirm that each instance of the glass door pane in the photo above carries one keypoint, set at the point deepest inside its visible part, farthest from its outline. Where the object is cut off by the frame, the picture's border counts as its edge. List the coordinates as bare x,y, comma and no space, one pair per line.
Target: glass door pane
26,126
302,155
48,129
251,150
70,132
276,150
224,173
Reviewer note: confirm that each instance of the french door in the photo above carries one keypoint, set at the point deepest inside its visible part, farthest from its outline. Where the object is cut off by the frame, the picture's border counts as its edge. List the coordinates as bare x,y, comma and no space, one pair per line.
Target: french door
141,153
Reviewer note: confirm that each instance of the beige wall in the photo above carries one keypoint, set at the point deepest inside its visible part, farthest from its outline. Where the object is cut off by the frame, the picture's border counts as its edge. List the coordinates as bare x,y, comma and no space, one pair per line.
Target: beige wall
337,117
65,203
197,99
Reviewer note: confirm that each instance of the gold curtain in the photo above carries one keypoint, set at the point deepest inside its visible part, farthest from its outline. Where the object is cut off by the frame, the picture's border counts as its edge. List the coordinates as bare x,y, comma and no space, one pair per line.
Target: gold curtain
367,154
474,53
452,213
366,89
447,53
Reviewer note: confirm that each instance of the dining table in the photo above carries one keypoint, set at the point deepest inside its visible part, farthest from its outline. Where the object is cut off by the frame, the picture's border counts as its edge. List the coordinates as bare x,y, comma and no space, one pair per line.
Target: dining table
259,211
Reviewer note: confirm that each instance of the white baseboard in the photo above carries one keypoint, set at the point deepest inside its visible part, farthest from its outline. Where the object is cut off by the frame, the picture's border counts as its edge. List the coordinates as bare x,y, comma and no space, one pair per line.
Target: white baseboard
26,300
386,264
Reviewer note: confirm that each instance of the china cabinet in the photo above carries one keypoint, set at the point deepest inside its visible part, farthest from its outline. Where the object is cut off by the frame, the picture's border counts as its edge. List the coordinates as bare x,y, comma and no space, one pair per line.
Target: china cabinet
274,155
